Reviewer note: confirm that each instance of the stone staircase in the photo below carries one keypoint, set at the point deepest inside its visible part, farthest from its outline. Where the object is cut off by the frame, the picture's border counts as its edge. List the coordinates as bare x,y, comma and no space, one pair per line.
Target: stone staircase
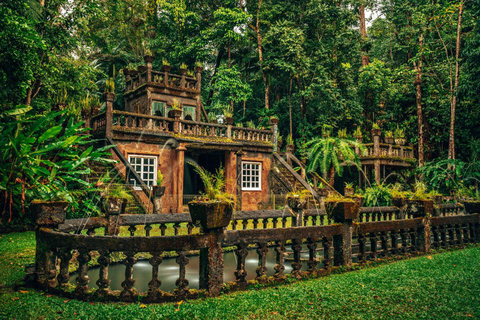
100,171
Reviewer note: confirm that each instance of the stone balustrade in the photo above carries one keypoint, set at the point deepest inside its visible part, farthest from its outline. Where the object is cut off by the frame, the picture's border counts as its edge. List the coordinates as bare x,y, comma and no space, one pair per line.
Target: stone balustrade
298,252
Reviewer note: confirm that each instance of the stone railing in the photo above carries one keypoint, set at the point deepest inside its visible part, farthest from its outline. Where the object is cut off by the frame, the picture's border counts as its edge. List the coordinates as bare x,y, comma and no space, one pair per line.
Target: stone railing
279,252
98,123
386,150
136,123
164,79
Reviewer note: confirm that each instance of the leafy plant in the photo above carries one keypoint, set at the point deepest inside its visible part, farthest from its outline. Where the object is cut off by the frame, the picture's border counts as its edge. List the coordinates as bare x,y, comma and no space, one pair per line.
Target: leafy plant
160,178
239,124
349,185
399,133
328,154
228,111
109,85
213,183
198,64
117,191
289,141
342,134
183,66
61,96
327,130
375,126
165,62
377,196
388,134
250,124
358,132
176,105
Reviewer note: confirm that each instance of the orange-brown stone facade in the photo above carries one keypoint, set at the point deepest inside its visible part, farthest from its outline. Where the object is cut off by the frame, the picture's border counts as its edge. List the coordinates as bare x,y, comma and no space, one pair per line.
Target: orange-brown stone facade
171,164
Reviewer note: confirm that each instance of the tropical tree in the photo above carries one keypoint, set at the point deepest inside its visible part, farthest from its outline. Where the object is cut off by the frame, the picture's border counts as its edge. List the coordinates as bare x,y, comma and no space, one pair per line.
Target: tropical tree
329,153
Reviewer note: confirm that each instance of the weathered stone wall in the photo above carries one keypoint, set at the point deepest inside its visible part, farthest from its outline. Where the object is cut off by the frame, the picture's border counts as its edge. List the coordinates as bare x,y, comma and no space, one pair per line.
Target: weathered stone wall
251,199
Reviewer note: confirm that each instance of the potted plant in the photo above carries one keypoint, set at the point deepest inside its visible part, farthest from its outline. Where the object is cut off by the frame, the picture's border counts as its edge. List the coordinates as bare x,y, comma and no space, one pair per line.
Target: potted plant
198,67
183,69
228,114
419,203
50,207
166,66
214,208
321,190
290,144
376,131
349,190
389,137
399,196
176,111
297,200
341,208
115,199
470,198
400,136
158,190
358,135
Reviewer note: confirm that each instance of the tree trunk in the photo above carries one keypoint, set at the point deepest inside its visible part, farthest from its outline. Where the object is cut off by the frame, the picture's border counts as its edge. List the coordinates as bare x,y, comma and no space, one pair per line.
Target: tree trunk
290,107
418,87
256,28
451,144
363,33
331,176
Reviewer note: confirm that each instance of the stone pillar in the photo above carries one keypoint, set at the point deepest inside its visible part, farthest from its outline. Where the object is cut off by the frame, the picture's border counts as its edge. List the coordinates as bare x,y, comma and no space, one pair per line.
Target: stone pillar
211,263
239,180
344,212
179,173
113,226
230,172
274,127
176,118
198,74
376,153
148,62
109,98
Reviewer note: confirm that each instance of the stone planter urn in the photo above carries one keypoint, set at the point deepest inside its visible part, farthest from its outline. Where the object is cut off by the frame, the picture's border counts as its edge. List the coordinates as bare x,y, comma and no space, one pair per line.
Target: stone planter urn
166,68
115,206
349,191
229,120
389,140
472,207
420,208
176,113
211,214
182,71
400,141
296,203
290,148
343,210
438,199
158,191
49,213
357,199
376,132
399,201
198,69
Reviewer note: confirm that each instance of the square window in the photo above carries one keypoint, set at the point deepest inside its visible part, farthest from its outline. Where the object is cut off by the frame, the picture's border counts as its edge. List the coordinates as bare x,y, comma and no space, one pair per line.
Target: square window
251,176
146,167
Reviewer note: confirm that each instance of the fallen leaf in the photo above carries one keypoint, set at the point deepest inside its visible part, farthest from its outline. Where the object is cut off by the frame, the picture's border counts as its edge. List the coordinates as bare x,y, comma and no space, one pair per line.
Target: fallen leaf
274,312
429,257
65,301
143,306
49,295
177,310
16,298
23,291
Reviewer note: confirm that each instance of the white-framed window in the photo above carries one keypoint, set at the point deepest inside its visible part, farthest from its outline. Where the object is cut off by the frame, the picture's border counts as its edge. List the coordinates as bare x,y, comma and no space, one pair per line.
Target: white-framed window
146,167
251,175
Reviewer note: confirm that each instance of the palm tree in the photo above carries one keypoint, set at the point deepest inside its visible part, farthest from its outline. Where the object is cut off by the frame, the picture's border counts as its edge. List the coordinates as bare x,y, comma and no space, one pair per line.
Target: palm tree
328,153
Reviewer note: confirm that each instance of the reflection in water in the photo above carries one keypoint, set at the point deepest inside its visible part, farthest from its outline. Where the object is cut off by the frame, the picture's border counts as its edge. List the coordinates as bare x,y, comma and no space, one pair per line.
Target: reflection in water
168,271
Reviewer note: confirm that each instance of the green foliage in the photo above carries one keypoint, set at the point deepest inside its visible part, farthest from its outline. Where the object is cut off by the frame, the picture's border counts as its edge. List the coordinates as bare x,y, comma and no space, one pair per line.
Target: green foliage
388,134
399,133
109,85
183,66
42,157
375,126
377,196
358,133
229,86
342,134
117,191
160,178
213,183
289,140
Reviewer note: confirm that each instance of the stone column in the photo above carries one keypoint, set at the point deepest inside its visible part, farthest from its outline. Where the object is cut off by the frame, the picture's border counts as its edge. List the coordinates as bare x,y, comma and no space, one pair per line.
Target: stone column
230,172
376,153
344,212
274,127
179,173
239,180
211,263
148,62
109,98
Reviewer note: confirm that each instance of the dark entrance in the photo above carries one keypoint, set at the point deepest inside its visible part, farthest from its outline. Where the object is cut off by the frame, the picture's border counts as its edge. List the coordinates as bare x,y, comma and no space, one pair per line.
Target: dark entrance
210,160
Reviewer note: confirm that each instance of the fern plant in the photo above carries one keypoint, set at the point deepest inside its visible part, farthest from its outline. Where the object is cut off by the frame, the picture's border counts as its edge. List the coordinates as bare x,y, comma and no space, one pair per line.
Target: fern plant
214,184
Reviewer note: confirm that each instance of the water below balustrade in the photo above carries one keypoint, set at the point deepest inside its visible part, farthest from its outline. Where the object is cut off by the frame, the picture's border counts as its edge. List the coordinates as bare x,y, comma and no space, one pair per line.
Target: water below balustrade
169,271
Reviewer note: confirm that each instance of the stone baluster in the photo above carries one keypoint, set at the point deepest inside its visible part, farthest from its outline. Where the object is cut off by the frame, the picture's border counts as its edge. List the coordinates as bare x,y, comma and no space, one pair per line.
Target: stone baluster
312,254
280,260
103,281
128,293
64,275
297,262
327,256
82,278
361,247
154,284
261,271
241,273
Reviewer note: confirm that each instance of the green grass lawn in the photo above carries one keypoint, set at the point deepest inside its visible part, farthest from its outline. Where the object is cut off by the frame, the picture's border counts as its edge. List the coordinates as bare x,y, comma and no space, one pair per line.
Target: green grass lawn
445,285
